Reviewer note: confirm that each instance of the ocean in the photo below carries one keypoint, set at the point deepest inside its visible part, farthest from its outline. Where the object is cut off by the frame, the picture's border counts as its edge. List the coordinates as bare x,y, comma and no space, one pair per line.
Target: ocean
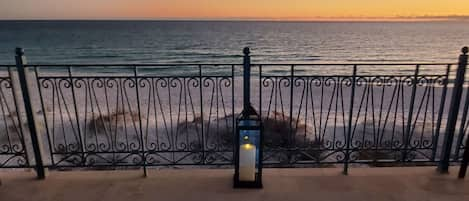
60,42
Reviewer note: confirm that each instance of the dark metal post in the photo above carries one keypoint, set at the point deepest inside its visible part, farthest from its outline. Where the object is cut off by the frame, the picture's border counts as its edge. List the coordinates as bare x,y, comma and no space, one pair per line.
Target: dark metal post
20,62
453,112
465,159
247,77
248,138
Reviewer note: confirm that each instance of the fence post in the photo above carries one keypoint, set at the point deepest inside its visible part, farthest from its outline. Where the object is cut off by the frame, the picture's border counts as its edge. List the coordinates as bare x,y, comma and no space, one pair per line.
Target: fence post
453,112
246,77
20,62
465,159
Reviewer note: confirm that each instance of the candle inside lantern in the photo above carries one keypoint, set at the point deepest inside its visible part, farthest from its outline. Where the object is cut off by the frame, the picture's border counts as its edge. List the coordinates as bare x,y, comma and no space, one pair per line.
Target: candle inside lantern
247,161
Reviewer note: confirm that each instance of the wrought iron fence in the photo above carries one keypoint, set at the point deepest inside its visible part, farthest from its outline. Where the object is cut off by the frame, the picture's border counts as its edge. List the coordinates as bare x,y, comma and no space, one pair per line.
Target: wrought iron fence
354,117
12,143
137,118
141,115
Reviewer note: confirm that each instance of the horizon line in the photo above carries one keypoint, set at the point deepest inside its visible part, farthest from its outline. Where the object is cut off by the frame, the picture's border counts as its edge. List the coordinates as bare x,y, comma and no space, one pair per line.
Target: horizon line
245,20
272,19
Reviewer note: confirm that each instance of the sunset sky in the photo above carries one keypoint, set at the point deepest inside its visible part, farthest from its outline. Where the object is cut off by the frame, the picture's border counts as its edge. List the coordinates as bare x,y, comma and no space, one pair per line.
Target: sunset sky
229,9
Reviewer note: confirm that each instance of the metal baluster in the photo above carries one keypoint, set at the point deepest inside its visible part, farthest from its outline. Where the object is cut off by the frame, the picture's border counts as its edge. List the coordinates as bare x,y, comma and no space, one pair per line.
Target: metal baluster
453,112
233,119
440,112
349,129
408,129
140,121
201,114
83,157
291,142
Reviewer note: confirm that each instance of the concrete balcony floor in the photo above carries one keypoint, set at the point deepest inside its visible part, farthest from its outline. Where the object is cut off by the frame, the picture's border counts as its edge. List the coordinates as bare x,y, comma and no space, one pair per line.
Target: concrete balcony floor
375,184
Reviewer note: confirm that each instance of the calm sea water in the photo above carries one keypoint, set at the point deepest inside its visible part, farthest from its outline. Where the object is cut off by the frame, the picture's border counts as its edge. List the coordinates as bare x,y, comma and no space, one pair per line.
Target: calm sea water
193,41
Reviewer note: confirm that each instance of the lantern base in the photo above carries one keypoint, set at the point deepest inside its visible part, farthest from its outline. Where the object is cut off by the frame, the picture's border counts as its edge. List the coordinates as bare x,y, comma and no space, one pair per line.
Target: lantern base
247,184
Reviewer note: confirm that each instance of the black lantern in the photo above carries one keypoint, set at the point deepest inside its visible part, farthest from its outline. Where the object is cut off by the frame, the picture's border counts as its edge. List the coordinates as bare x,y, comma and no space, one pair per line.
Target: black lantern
248,163
249,139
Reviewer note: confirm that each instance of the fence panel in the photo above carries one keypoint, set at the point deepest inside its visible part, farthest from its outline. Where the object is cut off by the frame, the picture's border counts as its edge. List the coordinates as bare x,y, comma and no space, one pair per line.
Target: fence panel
396,117
13,152
137,115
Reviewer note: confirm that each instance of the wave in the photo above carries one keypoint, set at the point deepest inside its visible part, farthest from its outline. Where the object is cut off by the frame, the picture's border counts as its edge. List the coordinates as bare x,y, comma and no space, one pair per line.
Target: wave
381,60
98,56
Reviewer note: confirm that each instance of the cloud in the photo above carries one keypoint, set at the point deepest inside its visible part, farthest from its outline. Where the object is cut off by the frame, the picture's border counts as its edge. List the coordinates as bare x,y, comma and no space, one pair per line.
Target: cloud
437,17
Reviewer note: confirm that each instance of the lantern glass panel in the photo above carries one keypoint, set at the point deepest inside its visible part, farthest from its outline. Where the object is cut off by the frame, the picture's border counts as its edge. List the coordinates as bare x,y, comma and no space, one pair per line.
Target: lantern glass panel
248,155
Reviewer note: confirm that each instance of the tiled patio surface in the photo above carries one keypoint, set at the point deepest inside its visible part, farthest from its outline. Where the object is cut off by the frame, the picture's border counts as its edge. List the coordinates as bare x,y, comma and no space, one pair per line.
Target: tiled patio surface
374,184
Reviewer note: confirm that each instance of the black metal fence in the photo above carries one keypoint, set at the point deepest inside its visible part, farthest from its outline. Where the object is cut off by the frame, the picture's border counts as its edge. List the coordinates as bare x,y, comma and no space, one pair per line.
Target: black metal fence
142,115
12,143
357,116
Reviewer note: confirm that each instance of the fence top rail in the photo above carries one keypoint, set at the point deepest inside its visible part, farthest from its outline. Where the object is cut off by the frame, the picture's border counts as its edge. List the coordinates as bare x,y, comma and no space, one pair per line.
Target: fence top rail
228,64
350,64
134,65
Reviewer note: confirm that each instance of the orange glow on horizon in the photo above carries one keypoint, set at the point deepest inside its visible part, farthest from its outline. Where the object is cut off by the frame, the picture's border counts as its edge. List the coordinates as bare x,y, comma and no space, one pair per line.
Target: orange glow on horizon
233,9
